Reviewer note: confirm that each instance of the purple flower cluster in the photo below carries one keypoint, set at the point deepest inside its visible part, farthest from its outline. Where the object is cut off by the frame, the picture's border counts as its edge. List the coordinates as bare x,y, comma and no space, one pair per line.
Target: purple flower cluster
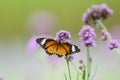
113,44
62,36
96,12
105,35
86,35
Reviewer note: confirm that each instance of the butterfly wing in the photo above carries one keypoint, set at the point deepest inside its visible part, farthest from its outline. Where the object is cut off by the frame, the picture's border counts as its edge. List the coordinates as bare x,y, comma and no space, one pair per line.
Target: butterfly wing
50,45
66,48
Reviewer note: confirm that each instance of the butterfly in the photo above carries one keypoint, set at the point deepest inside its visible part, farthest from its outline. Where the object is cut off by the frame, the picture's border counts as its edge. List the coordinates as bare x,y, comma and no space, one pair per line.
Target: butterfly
52,46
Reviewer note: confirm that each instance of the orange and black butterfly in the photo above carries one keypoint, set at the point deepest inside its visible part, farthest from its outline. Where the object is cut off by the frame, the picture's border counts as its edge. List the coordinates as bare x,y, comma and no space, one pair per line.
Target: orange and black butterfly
52,46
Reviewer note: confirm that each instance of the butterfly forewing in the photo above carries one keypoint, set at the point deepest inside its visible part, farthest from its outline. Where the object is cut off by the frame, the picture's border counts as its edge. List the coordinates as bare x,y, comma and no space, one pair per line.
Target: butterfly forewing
49,45
51,49
44,42
41,41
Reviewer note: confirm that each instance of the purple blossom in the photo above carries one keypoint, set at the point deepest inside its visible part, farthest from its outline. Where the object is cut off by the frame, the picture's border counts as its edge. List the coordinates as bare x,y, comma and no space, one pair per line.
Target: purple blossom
81,67
89,41
87,32
86,35
106,9
71,57
95,7
96,12
62,36
85,17
81,60
113,44
105,35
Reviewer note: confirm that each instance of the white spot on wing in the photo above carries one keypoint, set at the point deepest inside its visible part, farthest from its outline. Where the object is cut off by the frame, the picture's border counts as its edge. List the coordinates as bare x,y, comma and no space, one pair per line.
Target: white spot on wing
73,48
43,41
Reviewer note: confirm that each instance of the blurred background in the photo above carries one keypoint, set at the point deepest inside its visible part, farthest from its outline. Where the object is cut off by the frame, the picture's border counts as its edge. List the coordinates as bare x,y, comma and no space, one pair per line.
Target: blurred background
22,21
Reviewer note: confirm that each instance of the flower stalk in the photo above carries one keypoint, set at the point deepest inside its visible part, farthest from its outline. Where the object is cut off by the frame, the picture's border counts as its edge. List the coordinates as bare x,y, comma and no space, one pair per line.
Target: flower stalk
68,66
88,63
65,76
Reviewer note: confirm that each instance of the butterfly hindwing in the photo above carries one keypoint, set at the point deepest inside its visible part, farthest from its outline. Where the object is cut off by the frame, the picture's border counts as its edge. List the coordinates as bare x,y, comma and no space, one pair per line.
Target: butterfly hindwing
74,49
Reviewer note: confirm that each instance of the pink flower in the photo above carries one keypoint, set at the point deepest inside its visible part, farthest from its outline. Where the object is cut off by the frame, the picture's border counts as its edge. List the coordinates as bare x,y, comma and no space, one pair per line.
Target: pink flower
86,35
112,44
105,35
96,12
87,32
71,57
89,41
106,9
81,61
62,36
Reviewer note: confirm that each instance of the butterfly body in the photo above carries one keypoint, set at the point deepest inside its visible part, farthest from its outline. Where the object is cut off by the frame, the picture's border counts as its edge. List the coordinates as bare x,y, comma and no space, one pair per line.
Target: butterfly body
52,46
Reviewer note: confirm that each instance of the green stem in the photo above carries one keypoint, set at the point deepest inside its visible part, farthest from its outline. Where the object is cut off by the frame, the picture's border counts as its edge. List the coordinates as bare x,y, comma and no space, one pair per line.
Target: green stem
65,76
67,60
109,37
88,64
77,76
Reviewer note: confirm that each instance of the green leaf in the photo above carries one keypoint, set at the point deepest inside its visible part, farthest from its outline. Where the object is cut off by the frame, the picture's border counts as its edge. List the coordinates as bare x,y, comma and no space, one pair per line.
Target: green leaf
65,76
94,73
